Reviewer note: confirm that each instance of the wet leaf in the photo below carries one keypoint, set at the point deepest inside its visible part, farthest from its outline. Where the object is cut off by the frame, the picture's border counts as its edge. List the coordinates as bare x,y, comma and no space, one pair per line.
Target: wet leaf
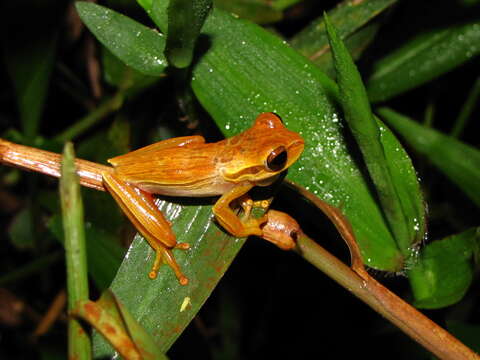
400,197
422,59
75,253
248,71
444,270
349,19
185,20
163,306
135,44
258,11
457,160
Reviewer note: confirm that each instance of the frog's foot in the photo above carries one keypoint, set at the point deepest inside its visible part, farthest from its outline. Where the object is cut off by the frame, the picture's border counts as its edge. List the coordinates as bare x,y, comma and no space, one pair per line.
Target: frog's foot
247,205
165,255
182,246
252,226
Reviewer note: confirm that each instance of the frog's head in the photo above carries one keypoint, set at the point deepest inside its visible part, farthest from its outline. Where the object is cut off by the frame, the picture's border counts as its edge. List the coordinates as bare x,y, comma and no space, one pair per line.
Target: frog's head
262,152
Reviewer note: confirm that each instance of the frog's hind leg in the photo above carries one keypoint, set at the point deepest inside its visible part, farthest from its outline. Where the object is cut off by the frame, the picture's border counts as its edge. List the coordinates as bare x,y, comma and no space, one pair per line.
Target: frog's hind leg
140,208
163,254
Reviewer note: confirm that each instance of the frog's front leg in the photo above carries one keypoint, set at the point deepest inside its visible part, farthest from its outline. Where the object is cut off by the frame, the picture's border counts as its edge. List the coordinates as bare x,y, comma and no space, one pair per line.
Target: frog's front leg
230,221
140,208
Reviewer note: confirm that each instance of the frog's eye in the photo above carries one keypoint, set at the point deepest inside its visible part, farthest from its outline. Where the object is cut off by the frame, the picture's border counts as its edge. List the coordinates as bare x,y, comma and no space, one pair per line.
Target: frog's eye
277,159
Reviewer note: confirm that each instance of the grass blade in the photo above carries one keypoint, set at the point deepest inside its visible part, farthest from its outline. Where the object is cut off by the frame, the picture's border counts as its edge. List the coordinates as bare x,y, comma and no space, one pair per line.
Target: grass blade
458,161
467,110
422,59
349,19
75,252
367,133
185,20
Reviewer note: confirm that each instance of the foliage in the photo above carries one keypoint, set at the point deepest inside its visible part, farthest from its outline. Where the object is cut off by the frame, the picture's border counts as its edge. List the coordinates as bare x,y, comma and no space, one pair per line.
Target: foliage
170,68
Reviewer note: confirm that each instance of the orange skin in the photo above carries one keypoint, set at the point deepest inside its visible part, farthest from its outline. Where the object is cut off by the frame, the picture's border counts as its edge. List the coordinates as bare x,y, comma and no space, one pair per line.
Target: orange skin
187,166
183,166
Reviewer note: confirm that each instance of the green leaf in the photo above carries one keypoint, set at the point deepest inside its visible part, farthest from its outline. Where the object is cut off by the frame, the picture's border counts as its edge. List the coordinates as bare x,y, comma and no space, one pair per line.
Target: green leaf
444,270
356,45
366,132
21,230
422,59
467,109
133,43
185,20
75,253
29,62
458,161
258,11
157,304
122,76
349,19
248,70
283,4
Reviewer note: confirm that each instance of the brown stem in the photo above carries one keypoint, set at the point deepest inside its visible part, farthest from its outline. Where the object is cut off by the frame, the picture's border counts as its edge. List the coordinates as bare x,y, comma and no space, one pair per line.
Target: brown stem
54,312
48,163
358,281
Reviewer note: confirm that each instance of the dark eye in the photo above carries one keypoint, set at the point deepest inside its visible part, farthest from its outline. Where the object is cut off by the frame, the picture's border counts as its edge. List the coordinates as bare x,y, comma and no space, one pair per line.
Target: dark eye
277,159
294,235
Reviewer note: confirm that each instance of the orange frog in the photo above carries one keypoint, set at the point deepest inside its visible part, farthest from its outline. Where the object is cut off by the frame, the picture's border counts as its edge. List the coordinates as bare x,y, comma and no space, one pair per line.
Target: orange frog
187,166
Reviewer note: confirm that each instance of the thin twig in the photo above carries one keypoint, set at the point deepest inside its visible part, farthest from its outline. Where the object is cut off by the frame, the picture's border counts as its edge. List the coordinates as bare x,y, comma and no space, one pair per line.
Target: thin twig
358,281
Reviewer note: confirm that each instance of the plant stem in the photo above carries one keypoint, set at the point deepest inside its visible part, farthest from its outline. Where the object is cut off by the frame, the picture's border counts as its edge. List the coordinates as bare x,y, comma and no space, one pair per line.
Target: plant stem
32,268
408,319
48,163
79,346
359,282
82,125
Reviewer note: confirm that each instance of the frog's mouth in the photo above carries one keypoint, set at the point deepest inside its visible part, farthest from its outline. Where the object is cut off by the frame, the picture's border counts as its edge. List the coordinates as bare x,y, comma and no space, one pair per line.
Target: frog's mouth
267,181
250,173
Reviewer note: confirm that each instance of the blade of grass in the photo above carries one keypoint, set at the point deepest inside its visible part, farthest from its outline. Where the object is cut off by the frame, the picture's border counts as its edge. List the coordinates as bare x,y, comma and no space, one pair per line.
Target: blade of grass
31,268
422,59
458,161
77,283
29,54
356,45
349,19
467,110
257,11
185,20
367,133
82,125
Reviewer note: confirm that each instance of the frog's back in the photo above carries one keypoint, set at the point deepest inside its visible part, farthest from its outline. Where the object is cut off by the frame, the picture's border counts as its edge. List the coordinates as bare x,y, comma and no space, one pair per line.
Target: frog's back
188,170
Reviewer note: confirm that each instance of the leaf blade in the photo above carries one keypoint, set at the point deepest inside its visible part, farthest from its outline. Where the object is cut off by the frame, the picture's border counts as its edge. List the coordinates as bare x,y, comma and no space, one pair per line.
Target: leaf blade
135,44
367,133
458,161
185,20
422,59
444,270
